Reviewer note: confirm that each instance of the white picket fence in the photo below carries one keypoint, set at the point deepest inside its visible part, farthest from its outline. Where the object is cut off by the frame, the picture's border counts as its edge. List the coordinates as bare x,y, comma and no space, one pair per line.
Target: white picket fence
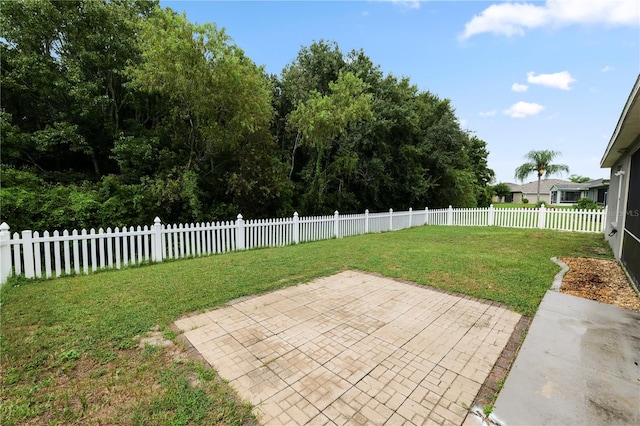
56,254
541,218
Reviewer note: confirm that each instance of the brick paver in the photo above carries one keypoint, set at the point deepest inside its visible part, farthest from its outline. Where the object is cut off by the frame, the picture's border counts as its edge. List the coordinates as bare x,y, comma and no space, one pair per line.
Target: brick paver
354,349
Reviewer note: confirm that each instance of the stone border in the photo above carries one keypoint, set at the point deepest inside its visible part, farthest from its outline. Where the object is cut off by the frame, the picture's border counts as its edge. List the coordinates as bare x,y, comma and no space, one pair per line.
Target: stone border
493,384
557,280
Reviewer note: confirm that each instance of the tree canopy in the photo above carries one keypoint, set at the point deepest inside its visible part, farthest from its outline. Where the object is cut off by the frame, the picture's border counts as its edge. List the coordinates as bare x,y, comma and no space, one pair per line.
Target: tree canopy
114,112
502,190
579,179
540,163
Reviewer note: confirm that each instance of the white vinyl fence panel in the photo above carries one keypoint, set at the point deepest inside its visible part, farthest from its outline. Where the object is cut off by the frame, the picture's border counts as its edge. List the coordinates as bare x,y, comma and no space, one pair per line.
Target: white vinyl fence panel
56,254
540,218
315,228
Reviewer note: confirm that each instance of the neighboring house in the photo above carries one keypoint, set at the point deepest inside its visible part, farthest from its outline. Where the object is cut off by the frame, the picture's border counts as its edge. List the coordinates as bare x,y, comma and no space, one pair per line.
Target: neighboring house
623,157
530,190
567,193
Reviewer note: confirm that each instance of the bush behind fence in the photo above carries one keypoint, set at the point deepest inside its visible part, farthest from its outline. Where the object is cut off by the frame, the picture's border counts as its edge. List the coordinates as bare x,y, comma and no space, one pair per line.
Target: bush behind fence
56,254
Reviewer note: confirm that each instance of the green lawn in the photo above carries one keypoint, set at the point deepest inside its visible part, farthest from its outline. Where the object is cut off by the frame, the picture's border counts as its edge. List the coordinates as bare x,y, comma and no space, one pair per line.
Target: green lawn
69,346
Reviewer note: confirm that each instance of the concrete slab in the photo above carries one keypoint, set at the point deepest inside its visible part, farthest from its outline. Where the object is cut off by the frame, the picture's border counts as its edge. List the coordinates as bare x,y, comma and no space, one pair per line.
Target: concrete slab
354,348
579,365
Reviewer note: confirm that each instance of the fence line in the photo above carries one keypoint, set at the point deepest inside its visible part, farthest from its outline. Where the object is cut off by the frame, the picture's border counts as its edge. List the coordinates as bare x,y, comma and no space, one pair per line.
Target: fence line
57,254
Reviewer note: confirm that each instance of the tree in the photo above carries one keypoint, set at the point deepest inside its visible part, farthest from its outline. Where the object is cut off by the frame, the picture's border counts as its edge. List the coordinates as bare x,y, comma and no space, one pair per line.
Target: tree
212,132
121,110
478,154
579,179
411,153
501,189
63,82
320,121
540,163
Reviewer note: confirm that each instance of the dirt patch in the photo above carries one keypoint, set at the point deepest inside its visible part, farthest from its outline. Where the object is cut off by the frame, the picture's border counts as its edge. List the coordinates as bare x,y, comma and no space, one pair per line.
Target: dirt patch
154,337
600,280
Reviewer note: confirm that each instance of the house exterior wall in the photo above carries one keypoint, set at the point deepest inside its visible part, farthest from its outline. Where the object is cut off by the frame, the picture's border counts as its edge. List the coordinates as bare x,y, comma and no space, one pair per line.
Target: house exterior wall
630,257
532,197
622,155
568,197
517,197
617,200
617,205
599,195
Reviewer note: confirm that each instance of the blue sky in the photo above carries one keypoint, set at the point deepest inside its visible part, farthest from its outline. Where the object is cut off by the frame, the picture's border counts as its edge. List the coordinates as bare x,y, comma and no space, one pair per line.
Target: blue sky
521,76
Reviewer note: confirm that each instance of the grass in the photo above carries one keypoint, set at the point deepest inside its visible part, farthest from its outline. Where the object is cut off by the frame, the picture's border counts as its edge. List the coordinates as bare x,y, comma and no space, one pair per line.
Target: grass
69,346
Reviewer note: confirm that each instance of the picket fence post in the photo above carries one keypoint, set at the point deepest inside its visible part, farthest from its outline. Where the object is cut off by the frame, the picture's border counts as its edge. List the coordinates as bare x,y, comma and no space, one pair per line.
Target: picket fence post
542,213
296,228
336,224
390,219
426,215
240,233
366,221
450,215
27,253
5,252
491,215
410,217
158,250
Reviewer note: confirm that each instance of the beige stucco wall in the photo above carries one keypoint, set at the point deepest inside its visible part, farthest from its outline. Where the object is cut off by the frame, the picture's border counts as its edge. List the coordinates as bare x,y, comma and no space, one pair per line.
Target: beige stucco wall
617,200
532,197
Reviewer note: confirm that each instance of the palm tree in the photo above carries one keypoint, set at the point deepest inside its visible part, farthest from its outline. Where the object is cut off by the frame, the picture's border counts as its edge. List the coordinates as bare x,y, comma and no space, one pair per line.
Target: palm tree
540,162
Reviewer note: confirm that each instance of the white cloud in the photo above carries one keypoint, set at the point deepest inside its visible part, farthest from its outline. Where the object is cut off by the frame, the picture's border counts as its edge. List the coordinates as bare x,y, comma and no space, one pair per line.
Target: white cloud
512,19
558,80
607,68
488,113
463,122
409,4
516,87
522,109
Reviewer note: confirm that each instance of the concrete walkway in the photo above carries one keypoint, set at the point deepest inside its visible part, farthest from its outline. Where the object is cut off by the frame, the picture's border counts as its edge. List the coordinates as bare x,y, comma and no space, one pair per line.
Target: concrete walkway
579,365
354,348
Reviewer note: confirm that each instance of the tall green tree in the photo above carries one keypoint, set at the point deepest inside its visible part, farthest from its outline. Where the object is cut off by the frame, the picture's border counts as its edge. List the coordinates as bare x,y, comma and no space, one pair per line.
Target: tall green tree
540,162
484,176
412,152
322,119
63,82
214,126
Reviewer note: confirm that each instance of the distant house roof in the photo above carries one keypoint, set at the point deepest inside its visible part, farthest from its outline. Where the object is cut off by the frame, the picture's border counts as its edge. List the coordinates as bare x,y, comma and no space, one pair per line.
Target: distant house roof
572,186
532,187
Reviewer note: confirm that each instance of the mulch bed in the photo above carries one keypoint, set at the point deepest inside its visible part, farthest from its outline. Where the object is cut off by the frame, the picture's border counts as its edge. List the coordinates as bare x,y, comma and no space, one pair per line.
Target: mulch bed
601,280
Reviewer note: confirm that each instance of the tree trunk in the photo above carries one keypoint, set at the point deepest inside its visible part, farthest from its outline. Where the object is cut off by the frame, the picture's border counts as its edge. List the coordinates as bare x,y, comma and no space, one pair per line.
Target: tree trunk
293,154
538,188
96,166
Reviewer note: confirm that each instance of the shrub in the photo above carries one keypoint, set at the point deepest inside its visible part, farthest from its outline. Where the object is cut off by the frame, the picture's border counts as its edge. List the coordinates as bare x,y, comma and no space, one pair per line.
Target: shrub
586,204
525,201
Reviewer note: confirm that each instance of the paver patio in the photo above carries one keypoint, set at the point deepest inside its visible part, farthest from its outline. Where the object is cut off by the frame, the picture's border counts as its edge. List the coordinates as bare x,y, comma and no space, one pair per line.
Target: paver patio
354,348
